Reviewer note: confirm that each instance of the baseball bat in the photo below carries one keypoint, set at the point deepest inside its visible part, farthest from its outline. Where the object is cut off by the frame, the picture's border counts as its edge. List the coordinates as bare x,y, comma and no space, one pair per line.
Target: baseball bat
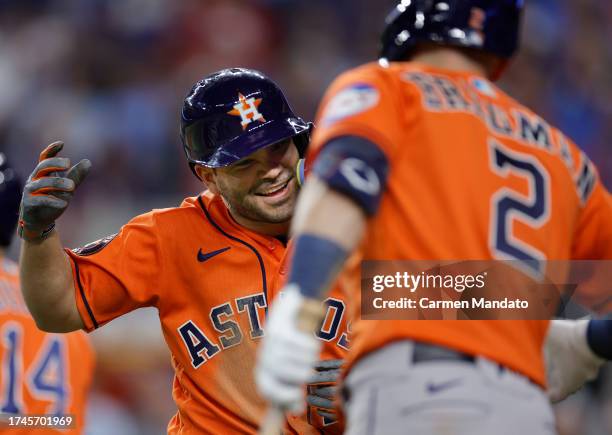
309,319
273,424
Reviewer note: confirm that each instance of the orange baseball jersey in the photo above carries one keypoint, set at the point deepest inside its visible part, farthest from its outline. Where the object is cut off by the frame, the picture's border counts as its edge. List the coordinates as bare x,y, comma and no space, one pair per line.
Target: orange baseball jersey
210,280
473,174
41,373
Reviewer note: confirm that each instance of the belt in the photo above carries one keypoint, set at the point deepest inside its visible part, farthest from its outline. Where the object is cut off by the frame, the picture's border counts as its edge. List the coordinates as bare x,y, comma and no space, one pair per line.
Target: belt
424,352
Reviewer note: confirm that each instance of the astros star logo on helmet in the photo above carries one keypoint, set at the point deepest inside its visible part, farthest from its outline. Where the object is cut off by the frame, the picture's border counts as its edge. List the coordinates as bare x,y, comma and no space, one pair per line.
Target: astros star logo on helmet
247,110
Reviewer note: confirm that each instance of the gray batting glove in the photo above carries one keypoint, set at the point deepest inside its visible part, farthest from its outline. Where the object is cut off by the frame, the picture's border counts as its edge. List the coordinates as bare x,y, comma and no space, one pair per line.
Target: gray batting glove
48,192
322,388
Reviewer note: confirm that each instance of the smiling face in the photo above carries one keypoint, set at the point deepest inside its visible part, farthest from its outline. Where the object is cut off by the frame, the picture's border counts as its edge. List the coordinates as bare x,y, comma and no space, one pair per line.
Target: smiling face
260,190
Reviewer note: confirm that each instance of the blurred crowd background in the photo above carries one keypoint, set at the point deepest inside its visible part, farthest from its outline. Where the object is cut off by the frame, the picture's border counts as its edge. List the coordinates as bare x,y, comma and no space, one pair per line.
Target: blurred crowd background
108,77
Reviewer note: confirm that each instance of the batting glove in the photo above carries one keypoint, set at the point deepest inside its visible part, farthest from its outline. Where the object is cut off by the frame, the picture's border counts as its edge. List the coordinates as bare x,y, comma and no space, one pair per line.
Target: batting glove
289,350
323,388
570,362
48,192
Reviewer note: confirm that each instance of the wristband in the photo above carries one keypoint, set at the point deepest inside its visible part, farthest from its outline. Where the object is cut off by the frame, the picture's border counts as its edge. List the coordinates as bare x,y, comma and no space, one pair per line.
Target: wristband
33,236
318,261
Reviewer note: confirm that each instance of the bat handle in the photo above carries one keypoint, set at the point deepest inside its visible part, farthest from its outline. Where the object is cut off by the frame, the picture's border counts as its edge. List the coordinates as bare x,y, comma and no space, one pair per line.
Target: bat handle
309,319
273,424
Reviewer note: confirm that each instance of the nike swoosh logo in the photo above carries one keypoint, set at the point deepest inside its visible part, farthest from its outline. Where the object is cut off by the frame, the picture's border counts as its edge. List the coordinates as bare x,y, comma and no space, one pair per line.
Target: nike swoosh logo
437,387
203,257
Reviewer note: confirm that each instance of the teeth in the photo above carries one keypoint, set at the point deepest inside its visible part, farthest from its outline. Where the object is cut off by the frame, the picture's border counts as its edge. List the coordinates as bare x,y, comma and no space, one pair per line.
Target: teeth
273,191
281,187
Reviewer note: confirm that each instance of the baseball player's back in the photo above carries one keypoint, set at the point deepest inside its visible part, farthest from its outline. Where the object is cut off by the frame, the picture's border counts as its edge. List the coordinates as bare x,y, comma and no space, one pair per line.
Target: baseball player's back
419,157
473,174
42,374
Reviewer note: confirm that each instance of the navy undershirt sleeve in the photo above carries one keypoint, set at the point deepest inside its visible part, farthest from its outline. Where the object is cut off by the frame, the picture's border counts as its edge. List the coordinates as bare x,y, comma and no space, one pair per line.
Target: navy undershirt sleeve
355,167
599,337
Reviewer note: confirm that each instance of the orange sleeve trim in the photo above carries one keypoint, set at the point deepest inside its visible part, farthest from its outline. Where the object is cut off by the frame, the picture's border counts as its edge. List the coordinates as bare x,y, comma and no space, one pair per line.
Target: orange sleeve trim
81,301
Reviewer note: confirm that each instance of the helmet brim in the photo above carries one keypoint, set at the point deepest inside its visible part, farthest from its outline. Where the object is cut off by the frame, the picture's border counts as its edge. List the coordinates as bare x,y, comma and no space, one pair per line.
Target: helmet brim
258,137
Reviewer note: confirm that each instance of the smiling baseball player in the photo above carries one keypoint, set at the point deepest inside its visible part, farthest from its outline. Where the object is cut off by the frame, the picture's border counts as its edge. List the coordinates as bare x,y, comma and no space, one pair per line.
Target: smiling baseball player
209,266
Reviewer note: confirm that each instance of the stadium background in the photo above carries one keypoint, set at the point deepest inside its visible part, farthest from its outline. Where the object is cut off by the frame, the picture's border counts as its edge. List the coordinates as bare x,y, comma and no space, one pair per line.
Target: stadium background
108,78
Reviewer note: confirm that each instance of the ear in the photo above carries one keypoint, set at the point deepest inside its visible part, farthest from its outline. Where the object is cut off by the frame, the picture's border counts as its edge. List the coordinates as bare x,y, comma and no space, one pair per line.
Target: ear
207,176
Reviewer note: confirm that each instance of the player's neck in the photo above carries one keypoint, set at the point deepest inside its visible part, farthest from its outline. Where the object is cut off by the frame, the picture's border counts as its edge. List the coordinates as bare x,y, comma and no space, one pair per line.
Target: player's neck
264,228
453,59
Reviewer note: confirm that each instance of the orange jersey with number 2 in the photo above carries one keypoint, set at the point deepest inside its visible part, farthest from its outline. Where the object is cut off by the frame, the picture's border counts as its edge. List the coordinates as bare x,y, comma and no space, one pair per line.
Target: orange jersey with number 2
473,174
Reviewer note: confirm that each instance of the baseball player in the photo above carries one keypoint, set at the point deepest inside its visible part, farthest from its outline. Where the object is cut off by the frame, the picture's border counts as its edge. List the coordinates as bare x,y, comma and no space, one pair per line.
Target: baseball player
209,266
421,156
41,374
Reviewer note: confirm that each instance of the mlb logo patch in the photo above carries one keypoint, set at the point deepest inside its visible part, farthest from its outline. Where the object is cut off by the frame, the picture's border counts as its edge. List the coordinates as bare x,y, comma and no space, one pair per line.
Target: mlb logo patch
484,87
94,247
349,102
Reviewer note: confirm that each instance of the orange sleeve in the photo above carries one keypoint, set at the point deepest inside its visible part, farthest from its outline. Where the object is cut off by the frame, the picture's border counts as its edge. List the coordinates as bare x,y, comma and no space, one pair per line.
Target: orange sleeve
360,103
593,235
593,241
118,274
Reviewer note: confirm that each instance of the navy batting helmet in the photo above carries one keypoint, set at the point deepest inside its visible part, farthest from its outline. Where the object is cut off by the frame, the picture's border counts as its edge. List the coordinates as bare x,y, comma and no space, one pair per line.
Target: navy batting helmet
233,113
488,25
10,198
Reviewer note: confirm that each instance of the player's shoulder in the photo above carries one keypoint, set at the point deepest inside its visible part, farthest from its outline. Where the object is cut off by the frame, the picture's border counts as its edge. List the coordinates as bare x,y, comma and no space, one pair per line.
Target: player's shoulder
159,226
373,82
190,208
553,147
359,89
194,216
526,118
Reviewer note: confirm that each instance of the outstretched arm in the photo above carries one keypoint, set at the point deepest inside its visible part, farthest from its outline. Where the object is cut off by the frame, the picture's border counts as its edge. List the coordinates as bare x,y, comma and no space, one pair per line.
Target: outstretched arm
47,285
46,275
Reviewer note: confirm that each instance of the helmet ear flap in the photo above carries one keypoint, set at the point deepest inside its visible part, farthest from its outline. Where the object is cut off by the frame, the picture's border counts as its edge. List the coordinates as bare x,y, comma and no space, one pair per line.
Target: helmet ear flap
302,140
